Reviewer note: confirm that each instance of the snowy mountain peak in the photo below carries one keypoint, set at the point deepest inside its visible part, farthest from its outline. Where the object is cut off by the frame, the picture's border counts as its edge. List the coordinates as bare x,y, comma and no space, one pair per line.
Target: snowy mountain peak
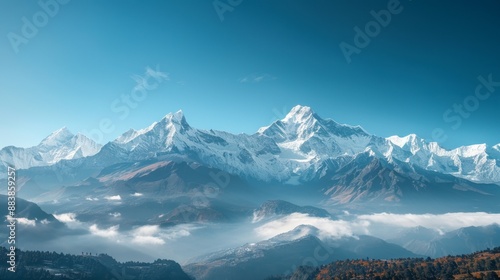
57,137
62,144
290,150
304,121
168,126
306,137
176,118
300,123
413,143
127,136
410,139
298,232
59,145
472,150
299,114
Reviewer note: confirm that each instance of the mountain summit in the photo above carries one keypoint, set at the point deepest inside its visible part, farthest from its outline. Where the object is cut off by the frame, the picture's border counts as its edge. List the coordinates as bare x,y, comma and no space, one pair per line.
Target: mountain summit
295,149
59,145
299,114
161,132
302,131
57,138
302,122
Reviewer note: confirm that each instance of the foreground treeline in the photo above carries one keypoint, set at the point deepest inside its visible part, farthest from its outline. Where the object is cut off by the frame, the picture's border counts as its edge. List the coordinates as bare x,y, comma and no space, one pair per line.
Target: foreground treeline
480,265
37,265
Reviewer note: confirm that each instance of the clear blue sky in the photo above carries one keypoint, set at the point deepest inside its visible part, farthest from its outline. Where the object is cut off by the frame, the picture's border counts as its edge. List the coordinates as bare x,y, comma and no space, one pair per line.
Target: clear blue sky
241,73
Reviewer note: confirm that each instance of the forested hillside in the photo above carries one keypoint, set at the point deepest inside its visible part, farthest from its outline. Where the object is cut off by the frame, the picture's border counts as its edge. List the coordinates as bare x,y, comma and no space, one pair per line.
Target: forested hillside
480,265
37,265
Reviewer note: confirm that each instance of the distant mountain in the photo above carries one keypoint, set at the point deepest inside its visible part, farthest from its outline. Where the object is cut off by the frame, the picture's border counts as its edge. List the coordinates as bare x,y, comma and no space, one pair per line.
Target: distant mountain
417,240
290,150
368,178
60,145
32,223
365,246
477,163
303,133
259,260
272,208
344,161
283,253
29,211
466,240
161,192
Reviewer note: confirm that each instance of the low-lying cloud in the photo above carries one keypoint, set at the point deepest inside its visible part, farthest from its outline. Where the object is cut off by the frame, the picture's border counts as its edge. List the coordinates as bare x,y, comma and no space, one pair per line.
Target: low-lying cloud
369,224
147,235
66,217
114,197
154,235
178,231
443,222
115,215
26,222
327,228
109,232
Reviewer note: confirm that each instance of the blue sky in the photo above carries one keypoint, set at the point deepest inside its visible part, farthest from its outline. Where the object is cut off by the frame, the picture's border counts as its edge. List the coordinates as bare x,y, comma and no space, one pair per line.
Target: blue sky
244,71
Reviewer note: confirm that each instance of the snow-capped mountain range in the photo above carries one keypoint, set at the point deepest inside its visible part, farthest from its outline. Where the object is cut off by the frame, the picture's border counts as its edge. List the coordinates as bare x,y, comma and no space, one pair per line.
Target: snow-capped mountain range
60,145
292,150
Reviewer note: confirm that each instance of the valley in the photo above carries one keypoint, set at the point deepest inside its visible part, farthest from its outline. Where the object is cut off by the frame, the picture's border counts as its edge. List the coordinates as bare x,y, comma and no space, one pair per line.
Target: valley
301,191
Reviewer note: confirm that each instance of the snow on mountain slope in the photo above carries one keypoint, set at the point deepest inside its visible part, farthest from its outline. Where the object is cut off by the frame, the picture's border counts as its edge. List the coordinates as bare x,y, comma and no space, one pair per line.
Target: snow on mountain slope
59,145
304,133
289,150
297,149
250,155
477,163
